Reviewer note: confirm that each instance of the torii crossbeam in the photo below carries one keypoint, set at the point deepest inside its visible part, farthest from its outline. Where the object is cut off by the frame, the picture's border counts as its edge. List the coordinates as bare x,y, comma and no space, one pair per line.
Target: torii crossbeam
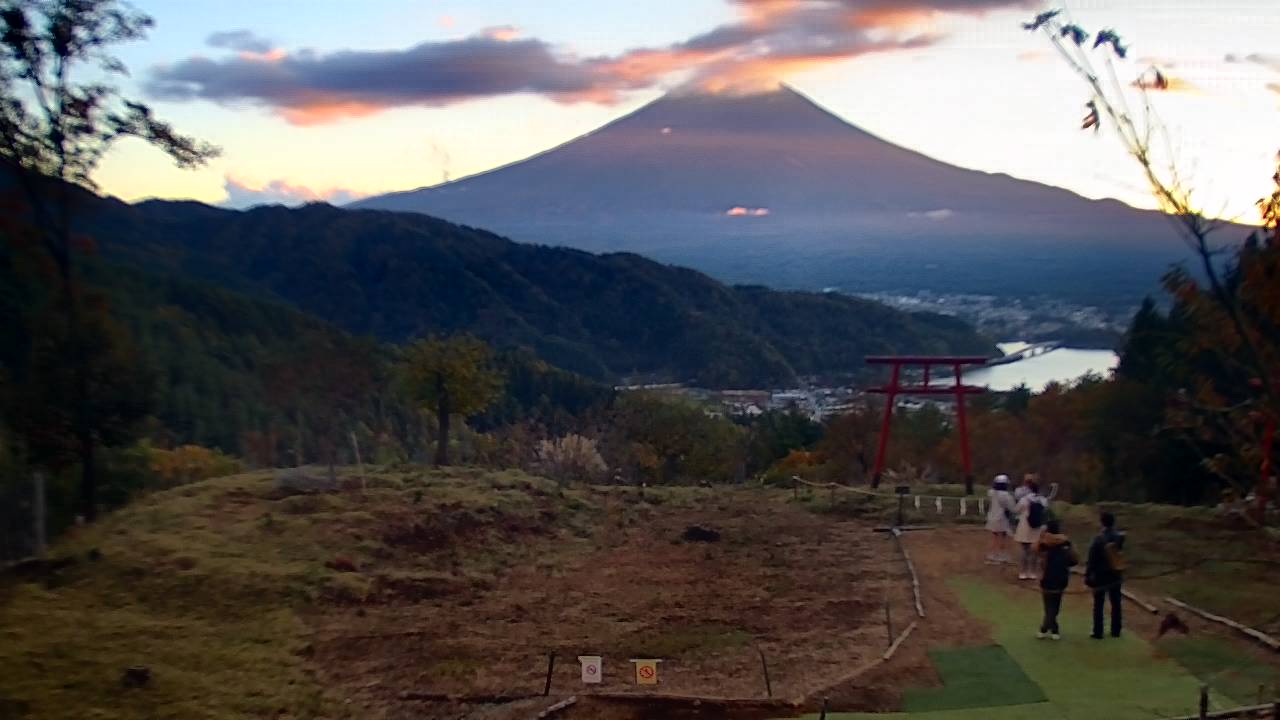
896,388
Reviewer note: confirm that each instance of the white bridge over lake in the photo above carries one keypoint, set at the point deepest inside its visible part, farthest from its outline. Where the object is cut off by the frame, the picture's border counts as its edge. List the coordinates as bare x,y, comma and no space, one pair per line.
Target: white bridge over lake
1029,351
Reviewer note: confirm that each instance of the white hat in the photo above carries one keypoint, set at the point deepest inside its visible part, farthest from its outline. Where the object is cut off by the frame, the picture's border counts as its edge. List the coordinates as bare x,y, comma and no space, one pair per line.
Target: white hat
1002,480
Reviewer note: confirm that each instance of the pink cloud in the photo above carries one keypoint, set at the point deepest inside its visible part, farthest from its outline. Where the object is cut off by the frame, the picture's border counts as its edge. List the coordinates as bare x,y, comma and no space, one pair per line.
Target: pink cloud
502,33
243,194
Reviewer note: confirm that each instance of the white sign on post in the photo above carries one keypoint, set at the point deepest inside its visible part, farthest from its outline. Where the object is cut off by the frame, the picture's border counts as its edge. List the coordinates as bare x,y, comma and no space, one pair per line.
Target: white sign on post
592,668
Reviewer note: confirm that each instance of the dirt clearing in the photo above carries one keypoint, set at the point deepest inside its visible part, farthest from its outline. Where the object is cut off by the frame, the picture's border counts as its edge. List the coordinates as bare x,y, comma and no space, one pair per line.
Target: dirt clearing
805,589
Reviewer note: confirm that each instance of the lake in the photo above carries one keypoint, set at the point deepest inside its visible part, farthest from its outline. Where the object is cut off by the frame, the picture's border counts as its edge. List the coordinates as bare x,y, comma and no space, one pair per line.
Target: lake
1061,365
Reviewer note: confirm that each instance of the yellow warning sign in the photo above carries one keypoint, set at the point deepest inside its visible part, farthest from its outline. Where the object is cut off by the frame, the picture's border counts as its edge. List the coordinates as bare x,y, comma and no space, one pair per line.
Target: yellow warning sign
646,672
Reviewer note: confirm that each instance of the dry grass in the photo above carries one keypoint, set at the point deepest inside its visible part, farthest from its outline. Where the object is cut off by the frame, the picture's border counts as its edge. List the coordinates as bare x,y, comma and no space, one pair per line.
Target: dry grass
246,604
208,585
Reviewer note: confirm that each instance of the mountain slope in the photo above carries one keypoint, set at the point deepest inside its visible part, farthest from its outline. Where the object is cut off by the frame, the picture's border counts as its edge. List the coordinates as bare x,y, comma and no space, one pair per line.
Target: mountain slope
403,275
844,208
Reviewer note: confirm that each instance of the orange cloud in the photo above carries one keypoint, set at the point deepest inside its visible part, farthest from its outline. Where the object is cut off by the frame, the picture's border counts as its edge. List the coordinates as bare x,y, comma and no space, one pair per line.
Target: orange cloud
771,40
321,112
643,66
1166,83
740,211
764,12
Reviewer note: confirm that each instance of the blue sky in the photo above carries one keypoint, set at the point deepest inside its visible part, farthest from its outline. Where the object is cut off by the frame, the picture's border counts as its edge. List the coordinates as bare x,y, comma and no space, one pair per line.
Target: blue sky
956,79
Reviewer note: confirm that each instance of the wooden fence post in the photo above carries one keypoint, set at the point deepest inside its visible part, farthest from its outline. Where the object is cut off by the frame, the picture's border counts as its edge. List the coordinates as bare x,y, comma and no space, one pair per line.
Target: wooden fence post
1204,702
551,665
823,715
888,619
355,445
41,539
768,684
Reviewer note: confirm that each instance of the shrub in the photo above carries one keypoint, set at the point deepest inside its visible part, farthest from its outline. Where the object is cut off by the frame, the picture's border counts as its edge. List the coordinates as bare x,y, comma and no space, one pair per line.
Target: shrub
572,457
189,463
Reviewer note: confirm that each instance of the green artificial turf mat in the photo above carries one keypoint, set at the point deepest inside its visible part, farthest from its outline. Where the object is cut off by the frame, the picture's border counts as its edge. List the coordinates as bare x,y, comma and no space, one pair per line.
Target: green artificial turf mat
1116,679
1083,679
973,678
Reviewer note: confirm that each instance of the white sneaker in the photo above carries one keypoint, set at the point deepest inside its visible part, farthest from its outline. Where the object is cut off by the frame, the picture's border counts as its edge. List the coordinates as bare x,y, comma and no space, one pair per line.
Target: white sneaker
1055,636
1041,635
1022,576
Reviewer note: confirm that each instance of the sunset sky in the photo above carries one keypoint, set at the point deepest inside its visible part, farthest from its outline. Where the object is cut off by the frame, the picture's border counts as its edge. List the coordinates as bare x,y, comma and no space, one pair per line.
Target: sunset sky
329,99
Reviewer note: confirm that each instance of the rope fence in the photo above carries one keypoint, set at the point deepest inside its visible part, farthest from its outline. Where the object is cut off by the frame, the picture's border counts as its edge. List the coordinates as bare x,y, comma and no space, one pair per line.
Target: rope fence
961,503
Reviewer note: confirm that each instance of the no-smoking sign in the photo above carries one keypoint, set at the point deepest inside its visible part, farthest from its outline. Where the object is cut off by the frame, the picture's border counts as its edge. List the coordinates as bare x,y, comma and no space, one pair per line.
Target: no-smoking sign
592,668
646,672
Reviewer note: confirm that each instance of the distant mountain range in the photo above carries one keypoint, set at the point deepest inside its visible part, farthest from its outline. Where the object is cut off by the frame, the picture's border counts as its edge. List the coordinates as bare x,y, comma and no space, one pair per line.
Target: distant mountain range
773,189
402,275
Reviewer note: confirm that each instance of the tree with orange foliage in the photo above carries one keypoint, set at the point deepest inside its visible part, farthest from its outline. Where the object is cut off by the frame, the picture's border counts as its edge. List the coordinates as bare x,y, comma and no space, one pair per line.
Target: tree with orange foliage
1233,314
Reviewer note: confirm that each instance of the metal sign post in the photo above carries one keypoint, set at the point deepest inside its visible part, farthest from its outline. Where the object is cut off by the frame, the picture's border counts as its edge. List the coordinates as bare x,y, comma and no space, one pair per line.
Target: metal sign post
903,491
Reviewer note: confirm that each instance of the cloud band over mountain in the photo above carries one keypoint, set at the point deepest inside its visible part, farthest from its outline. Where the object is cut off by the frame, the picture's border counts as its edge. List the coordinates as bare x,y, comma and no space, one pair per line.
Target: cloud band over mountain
771,39
242,194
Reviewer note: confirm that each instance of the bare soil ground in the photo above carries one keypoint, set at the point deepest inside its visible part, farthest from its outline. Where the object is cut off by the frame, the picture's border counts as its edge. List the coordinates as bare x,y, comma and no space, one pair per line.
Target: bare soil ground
807,590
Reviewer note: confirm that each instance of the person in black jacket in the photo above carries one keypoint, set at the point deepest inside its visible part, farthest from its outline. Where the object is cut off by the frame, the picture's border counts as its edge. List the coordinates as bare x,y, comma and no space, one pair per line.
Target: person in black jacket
1104,574
1056,559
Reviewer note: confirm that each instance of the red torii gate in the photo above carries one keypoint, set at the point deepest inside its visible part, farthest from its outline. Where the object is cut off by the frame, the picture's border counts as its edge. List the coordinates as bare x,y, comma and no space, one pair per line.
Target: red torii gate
896,388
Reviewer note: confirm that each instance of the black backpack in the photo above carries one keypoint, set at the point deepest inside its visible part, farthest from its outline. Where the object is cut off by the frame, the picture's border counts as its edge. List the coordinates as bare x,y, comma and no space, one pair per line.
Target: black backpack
1035,513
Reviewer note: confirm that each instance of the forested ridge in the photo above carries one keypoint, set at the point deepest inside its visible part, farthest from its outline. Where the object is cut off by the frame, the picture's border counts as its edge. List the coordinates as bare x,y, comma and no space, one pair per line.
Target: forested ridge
397,276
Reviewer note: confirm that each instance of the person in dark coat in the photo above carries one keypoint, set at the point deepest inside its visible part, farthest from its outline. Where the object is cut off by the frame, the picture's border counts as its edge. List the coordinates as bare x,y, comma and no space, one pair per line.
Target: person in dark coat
1104,574
1056,560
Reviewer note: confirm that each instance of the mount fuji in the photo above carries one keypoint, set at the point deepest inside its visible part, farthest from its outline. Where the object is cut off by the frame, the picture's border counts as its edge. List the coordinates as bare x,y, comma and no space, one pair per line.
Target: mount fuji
771,188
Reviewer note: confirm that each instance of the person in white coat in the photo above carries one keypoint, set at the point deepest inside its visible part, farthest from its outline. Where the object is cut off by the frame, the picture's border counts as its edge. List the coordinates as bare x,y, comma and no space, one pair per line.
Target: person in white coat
1000,506
1031,510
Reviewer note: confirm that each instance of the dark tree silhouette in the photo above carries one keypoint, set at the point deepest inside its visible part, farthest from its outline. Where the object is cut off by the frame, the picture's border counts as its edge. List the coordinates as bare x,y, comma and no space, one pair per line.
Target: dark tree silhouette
54,130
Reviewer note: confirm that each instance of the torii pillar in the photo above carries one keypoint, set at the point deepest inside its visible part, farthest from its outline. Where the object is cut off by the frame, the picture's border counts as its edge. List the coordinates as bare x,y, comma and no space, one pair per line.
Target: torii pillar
896,388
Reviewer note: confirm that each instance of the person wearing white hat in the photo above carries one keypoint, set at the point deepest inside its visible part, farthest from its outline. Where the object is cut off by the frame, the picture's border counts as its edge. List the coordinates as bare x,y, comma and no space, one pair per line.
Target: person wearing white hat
999,509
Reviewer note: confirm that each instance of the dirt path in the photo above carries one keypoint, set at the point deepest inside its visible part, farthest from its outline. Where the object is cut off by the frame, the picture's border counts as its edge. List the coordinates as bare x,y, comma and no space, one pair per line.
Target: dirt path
938,555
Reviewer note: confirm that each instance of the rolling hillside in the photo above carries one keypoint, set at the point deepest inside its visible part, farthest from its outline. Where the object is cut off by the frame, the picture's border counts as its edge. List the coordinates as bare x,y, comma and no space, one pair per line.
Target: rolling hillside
402,275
